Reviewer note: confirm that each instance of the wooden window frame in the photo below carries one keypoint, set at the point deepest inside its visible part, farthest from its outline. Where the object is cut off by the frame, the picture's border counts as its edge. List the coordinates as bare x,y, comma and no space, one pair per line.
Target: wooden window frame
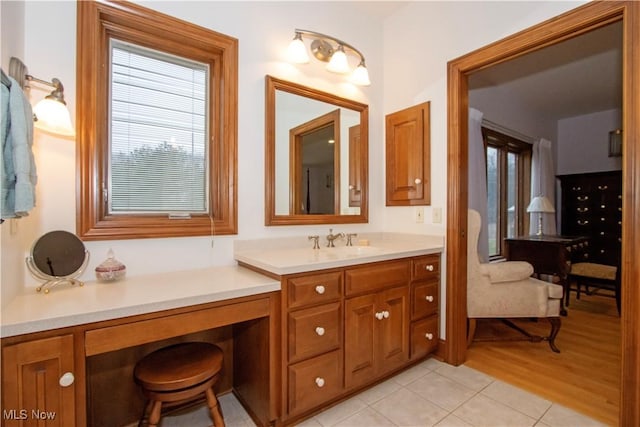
98,22
506,144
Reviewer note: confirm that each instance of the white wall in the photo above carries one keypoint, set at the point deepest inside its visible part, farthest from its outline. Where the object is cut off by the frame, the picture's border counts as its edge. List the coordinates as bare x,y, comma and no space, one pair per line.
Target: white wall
264,30
583,143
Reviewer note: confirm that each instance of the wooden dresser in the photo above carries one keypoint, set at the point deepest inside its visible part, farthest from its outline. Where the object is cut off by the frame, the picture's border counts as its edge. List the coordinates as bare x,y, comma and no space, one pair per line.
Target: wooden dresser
592,207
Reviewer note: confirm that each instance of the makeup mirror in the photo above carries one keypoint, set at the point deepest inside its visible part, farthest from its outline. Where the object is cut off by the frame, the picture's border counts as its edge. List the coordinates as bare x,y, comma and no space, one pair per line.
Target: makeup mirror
316,156
57,257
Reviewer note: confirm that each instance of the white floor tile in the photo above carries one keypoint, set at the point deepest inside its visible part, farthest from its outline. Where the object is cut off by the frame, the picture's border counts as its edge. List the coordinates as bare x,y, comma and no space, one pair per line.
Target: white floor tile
367,417
341,411
559,416
379,391
452,421
468,377
481,411
520,400
412,374
442,391
406,408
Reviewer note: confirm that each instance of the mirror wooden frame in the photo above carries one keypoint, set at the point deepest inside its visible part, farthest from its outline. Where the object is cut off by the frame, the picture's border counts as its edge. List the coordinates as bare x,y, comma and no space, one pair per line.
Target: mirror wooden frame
272,84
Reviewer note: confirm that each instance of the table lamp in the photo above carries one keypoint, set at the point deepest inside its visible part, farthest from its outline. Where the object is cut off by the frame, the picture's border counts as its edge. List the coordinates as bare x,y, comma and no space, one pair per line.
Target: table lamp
540,205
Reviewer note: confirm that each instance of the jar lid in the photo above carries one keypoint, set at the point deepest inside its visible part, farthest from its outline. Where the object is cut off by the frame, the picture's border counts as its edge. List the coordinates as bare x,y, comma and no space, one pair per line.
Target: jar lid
110,264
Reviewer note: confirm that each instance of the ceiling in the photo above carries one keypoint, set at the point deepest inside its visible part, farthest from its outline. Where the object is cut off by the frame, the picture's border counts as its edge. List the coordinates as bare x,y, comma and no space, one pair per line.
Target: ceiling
579,76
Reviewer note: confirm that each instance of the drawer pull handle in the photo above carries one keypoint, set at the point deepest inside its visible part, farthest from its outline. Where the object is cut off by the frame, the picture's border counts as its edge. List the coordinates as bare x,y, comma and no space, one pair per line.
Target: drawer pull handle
429,298
620,209
602,187
428,267
320,330
66,379
582,210
320,382
428,336
581,222
583,198
603,206
379,315
417,181
320,289
385,314
576,188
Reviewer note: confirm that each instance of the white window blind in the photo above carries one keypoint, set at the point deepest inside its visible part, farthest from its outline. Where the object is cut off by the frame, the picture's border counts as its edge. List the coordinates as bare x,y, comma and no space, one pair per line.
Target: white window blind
158,133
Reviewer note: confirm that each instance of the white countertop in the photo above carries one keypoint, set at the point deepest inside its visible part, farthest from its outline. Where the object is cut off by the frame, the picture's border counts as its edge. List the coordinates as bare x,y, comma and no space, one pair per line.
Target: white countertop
296,255
73,305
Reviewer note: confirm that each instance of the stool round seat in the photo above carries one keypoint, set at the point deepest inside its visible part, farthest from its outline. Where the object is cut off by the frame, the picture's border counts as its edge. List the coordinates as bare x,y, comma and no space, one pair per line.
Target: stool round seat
177,374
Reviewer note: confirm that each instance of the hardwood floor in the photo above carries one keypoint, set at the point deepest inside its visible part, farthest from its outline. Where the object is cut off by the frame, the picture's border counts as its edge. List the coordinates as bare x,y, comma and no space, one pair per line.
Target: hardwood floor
584,376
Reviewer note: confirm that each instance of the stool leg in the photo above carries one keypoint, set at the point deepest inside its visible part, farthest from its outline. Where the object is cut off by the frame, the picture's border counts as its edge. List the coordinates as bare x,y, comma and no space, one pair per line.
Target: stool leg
214,408
154,416
145,413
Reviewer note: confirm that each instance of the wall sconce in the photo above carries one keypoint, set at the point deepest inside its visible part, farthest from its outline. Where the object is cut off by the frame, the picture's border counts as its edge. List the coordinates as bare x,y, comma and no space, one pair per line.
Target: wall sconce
540,205
615,143
51,113
328,49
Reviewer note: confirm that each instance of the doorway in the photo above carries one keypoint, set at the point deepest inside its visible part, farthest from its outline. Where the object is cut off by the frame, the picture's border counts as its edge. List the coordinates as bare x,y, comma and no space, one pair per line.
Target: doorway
579,21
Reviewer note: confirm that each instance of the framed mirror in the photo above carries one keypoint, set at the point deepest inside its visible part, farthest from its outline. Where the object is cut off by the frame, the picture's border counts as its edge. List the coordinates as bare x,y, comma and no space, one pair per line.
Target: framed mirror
57,257
316,156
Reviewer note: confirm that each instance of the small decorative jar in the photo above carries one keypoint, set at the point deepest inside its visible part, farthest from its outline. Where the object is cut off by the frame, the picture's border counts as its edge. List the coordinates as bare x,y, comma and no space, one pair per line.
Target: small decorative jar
110,269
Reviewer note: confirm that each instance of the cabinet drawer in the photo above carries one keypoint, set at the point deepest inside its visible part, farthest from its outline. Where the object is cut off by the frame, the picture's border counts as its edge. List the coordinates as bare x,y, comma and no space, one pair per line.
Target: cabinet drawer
314,331
376,276
424,299
426,267
314,289
424,337
314,381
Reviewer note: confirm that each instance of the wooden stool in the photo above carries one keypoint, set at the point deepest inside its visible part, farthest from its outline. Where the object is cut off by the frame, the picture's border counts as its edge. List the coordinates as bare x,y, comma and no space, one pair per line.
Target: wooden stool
178,374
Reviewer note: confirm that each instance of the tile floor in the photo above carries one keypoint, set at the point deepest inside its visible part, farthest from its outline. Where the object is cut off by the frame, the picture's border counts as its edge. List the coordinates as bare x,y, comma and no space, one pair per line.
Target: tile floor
429,394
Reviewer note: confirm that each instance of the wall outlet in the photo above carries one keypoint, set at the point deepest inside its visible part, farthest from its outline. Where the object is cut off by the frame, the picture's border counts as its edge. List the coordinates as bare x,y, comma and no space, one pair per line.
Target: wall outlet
419,214
436,214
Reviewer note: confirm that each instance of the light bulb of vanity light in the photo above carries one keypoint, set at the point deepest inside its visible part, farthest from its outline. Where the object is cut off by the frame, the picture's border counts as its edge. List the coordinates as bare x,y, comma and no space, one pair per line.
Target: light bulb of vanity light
297,51
53,116
360,75
338,62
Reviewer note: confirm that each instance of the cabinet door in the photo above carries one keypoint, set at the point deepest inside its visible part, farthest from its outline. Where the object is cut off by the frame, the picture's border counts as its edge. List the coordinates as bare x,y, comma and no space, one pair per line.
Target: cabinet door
359,340
393,334
408,157
32,373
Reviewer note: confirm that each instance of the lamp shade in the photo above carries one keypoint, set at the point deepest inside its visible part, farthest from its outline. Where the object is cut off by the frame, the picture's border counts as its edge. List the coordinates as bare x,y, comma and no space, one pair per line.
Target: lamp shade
540,204
360,76
338,62
53,116
297,51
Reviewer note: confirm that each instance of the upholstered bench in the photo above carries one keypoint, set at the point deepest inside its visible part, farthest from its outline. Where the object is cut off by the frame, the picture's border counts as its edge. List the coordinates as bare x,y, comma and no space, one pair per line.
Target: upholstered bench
598,275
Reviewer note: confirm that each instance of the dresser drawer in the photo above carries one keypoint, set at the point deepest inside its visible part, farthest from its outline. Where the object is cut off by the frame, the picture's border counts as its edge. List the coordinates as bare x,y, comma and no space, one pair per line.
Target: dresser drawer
314,381
424,299
376,276
424,337
426,267
314,331
314,289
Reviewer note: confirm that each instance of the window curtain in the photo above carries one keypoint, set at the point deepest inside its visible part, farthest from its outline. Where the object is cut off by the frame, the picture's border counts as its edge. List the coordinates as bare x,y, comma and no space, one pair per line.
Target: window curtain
542,184
478,180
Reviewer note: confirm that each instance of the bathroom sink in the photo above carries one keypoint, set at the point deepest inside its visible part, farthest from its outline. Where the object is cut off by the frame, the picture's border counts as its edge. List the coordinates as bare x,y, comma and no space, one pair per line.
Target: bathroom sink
349,251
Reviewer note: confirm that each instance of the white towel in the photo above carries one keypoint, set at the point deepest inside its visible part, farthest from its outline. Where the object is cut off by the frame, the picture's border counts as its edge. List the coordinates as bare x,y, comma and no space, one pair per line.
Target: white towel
19,169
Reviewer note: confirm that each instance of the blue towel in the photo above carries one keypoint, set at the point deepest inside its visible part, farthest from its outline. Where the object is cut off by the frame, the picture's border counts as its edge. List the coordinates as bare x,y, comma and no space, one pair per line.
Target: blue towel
18,166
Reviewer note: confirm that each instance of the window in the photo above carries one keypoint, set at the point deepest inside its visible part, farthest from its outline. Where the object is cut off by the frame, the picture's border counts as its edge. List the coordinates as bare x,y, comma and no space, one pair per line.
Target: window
508,188
157,125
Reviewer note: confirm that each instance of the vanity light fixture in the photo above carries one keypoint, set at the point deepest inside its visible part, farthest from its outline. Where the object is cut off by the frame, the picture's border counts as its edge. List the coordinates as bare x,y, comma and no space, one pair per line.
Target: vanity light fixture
328,49
50,114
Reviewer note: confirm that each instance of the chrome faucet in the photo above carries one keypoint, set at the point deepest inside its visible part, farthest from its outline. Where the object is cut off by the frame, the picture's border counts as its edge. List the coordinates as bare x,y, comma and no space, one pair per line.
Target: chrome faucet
331,237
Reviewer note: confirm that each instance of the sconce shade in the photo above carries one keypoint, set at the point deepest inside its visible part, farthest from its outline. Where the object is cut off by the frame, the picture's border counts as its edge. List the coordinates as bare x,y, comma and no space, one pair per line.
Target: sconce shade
53,116
297,51
338,63
335,54
360,76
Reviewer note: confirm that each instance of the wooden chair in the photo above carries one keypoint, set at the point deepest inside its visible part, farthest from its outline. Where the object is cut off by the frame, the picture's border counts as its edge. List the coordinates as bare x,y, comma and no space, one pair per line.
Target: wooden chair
597,275
179,374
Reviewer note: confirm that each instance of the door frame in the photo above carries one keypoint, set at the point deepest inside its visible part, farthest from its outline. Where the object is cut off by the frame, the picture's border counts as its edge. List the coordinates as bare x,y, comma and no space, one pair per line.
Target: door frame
578,21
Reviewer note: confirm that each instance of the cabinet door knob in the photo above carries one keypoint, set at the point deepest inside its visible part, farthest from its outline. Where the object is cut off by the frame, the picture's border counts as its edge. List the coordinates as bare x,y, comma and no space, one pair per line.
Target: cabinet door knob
66,379
417,181
428,267
385,314
320,382
320,330
351,187
429,298
320,289
379,315
428,336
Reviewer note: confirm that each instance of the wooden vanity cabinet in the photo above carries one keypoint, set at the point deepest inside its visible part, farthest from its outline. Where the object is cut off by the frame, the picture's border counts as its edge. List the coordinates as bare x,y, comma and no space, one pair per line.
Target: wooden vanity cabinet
41,376
408,156
425,285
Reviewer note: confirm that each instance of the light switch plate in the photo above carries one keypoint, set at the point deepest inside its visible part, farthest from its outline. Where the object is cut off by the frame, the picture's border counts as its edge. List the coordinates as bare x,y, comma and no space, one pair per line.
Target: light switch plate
419,214
436,214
